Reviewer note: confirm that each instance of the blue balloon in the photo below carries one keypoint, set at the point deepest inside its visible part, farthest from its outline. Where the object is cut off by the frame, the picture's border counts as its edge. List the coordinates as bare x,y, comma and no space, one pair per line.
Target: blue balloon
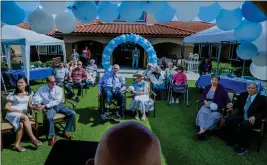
108,11
166,14
130,11
11,13
111,45
27,13
209,13
229,19
252,13
85,11
151,7
247,51
248,31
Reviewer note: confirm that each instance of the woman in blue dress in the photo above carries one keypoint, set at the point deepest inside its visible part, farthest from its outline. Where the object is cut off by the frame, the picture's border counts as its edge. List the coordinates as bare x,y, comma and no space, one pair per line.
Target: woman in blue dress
140,97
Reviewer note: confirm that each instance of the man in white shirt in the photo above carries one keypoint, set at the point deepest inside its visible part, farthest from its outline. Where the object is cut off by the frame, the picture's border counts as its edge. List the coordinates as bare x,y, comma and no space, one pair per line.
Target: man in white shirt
52,103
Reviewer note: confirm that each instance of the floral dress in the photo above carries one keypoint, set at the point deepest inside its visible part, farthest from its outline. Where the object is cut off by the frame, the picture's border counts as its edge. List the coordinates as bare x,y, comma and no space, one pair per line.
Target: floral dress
206,118
140,101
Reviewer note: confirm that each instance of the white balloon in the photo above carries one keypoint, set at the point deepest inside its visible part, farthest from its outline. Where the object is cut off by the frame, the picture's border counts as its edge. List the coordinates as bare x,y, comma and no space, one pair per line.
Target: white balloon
206,3
41,22
261,59
29,5
65,22
54,7
260,72
173,4
231,5
261,42
187,11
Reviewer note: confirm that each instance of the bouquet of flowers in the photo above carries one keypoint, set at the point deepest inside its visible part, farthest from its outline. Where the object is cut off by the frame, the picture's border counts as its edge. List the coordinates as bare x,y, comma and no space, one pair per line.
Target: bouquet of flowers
37,101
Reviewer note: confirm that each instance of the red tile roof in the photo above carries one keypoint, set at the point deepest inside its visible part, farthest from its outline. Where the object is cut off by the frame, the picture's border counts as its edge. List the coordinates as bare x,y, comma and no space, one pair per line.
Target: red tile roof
173,28
193,26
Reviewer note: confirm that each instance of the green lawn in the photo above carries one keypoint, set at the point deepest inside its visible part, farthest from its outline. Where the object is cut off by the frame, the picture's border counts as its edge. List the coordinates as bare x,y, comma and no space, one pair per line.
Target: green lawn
174,126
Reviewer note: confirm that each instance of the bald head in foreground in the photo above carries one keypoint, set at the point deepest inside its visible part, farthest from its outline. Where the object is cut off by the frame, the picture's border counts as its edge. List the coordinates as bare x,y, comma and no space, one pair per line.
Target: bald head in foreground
128,143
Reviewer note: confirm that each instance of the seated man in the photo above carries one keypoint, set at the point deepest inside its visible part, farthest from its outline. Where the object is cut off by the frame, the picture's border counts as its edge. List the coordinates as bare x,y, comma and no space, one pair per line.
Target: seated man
113,85
76,79
157,79
61,74
52,96
251,110
142,147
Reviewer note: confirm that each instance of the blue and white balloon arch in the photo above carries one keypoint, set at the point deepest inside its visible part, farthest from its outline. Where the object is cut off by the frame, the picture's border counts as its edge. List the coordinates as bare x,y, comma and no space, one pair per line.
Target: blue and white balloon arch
152,57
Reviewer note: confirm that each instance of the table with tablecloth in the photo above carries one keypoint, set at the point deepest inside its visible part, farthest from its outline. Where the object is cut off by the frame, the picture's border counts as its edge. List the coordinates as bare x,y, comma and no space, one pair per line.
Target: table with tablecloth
35,74
233,83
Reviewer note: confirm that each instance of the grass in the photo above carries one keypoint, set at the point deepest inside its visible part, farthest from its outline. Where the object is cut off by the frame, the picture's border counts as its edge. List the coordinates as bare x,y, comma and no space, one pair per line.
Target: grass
174,126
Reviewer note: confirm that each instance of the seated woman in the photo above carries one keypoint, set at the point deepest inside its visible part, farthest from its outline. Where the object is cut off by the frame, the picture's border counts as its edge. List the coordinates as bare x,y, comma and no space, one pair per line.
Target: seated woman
16,107
148,70
157,78
179,81
208,115
140,97
92,65
170,71
71,66
91,77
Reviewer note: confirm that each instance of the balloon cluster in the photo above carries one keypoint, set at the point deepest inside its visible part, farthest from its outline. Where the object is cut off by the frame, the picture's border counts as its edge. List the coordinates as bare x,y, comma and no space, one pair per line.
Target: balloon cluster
152,57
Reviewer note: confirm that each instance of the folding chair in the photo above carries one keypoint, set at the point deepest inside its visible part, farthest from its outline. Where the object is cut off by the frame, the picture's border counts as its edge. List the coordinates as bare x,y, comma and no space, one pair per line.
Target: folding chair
59,118
112,107
7,127
184,92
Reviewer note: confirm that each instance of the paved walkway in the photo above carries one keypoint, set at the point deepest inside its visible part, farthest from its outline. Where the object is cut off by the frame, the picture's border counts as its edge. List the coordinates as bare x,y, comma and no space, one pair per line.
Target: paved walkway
128,73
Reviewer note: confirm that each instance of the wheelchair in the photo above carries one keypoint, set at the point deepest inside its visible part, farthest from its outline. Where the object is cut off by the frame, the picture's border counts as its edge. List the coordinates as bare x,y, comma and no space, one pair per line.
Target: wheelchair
183,89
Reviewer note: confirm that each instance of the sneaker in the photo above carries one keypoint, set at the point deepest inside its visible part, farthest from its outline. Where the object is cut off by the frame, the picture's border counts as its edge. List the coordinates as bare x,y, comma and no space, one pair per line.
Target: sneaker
177,101
172,100
77,99
137,116
104,116
240,150
118,116
143,117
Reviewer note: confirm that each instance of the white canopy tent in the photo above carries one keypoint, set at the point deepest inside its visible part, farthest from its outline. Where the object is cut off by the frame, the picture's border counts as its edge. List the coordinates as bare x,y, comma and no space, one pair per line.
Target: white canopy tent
216,35
14,35
211,35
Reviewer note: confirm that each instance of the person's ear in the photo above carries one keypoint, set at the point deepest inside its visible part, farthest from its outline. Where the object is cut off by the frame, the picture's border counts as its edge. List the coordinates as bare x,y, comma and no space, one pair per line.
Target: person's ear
90,161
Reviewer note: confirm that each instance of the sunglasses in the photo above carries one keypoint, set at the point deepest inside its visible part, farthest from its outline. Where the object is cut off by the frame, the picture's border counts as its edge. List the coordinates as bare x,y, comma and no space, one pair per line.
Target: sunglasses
52,82
79,64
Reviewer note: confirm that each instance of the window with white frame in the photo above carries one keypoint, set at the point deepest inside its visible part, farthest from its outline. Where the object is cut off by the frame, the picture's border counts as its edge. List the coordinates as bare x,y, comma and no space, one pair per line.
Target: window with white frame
60,51
52,49
42,49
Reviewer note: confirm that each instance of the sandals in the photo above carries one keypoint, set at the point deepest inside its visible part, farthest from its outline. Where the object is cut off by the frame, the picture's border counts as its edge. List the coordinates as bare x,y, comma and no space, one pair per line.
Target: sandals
18,148
37,143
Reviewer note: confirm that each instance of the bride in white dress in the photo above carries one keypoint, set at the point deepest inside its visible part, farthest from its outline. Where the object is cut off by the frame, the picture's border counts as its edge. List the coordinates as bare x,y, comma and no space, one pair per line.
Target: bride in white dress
16,107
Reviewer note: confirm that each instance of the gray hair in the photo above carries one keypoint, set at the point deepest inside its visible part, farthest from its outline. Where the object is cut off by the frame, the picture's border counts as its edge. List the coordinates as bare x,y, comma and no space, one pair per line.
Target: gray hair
170,63
149,64
253,83
92,60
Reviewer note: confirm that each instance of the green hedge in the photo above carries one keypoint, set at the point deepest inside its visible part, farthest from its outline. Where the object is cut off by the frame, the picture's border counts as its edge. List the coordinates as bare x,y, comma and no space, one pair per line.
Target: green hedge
227,68
17,65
